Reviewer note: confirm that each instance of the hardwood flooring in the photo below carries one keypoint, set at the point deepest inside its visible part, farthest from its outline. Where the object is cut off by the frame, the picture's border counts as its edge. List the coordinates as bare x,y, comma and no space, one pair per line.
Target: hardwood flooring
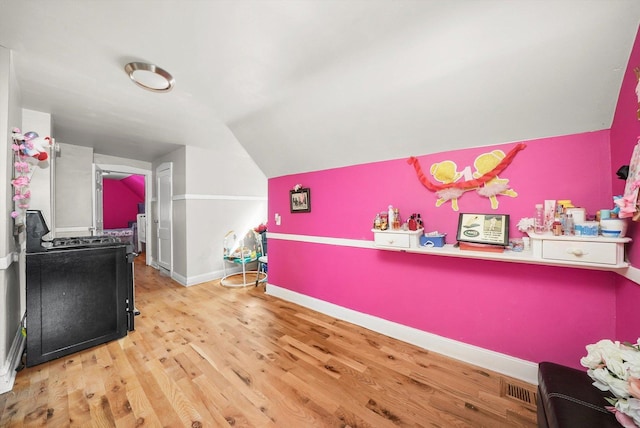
209,356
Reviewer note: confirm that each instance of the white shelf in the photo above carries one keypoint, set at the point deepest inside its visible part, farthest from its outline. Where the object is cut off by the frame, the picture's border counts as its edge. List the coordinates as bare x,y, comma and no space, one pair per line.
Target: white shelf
527,257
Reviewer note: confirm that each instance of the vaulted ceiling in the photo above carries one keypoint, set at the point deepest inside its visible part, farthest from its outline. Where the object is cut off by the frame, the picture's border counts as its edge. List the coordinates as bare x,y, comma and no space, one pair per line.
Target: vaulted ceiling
303,85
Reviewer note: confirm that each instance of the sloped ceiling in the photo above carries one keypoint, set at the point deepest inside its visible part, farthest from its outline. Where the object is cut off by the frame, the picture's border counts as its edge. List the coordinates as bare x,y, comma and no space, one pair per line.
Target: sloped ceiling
307,85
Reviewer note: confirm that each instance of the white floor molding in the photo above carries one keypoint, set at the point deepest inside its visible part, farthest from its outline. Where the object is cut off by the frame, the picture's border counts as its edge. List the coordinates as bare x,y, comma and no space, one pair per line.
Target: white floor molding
8,372
526,371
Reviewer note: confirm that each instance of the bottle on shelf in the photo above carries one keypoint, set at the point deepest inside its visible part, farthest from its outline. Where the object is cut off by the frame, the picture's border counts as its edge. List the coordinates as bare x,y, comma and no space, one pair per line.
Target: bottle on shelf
568,227
556,227
392,216
539,225
396,219
413,224
384,220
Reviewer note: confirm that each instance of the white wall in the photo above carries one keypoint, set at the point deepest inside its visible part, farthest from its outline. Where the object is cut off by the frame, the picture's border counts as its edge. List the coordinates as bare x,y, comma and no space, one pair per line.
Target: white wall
40,184
213,192
12,305
224,191
74,190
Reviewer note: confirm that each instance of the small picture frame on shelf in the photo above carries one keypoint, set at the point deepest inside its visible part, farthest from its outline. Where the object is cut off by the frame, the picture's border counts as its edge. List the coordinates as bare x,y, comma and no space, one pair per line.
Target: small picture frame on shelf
300,200
491,229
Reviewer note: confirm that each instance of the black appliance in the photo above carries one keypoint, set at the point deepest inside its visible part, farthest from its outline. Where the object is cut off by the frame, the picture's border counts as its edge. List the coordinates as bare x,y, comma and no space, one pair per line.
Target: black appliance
80,291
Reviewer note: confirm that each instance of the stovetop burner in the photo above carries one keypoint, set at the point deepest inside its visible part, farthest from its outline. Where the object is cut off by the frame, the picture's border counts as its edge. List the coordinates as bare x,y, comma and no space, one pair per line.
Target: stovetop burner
82,241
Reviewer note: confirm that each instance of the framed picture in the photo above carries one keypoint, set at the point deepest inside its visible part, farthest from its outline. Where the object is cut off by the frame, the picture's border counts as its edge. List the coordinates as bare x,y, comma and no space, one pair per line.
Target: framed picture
300,200
484,229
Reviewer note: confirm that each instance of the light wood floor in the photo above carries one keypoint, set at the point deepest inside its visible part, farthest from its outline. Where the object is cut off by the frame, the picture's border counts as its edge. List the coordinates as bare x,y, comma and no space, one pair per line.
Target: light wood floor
208,356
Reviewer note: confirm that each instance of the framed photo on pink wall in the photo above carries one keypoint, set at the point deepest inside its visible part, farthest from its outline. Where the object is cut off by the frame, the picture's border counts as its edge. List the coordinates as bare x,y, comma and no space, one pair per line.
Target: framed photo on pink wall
300,200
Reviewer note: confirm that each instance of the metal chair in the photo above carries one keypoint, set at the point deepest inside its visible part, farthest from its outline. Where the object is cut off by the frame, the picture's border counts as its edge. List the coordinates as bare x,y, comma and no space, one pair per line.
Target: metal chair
262,260
240,250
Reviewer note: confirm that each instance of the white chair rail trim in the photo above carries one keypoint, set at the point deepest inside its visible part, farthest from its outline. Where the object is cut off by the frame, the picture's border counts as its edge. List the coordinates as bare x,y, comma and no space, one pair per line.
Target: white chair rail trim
7,260
194,197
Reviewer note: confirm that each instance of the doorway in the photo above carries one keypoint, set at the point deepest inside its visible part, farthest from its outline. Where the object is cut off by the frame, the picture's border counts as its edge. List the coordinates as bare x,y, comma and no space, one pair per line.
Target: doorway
104,170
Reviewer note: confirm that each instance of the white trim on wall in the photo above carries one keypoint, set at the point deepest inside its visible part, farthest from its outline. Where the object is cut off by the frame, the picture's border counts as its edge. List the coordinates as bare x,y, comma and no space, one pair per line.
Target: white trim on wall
8,372
357,243
6,261
526,371
195,197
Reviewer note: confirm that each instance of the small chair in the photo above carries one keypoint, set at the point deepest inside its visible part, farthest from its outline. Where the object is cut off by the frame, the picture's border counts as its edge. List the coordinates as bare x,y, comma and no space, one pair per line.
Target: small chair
262,260
240,250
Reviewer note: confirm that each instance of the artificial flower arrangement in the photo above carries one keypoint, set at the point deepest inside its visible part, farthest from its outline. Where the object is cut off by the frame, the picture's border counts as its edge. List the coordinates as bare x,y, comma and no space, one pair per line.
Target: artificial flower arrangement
262,227
28,149
615,367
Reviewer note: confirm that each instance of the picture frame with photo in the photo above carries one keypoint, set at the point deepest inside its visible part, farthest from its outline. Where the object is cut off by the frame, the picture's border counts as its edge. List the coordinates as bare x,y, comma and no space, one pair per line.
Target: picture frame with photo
300,200
489,229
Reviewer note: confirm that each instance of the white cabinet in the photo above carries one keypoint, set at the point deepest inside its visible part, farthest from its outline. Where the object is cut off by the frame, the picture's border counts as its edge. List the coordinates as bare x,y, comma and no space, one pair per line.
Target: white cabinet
397,239
578,250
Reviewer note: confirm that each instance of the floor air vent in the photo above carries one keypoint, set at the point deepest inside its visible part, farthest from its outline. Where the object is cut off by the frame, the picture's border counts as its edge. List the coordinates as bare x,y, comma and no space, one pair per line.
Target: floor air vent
517,392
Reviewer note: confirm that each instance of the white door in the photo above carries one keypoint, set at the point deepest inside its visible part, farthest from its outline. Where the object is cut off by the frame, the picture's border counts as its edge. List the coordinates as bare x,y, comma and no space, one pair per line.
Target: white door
165,193
98,194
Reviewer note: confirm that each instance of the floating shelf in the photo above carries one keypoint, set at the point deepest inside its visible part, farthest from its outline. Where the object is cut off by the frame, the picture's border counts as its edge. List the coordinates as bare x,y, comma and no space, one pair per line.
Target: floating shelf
586,252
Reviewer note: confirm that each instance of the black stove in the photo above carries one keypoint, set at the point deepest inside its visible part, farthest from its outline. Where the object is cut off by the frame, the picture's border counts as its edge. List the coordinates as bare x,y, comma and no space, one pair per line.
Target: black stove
79,291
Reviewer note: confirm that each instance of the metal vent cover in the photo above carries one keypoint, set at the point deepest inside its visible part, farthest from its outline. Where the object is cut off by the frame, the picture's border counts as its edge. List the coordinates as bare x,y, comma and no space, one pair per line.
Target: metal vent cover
517,392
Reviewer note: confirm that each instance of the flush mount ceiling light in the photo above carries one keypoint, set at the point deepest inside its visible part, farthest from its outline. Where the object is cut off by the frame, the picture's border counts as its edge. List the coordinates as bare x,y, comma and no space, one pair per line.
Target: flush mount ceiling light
149,76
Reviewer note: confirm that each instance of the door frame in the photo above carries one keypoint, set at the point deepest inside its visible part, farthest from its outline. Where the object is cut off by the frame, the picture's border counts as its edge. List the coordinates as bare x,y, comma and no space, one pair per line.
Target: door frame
165,166
148,189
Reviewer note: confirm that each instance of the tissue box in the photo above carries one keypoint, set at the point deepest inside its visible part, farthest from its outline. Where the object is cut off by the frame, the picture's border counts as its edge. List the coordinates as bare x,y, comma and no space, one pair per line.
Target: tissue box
432,241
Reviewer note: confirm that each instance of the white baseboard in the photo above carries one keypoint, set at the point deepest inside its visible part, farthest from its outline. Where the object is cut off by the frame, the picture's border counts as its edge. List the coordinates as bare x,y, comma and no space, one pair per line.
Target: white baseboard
526,371
193,280
205,277
8,372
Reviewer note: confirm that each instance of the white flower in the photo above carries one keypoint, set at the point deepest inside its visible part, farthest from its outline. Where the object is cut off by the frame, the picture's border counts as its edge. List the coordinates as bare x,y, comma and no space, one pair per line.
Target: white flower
630,407
592,360
605,381
631,358
617,368
526,224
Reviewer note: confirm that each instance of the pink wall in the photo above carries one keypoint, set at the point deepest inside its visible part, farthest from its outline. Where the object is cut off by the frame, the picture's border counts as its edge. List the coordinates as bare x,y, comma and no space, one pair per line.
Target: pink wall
538,313
120,203
514,309
625,132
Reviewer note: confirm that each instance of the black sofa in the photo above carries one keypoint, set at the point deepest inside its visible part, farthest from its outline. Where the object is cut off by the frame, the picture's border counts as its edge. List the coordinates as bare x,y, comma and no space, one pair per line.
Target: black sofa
567,399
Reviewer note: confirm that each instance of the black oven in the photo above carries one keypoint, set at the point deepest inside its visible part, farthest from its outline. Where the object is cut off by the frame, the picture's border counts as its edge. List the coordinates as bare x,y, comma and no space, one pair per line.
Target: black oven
79,292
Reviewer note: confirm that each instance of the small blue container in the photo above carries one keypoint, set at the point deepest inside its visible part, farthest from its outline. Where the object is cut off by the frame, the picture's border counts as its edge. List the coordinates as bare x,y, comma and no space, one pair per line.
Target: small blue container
589,228
433,241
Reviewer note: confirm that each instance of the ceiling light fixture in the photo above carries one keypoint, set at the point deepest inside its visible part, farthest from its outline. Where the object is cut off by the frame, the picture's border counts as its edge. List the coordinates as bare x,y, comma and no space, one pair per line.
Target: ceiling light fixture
150,77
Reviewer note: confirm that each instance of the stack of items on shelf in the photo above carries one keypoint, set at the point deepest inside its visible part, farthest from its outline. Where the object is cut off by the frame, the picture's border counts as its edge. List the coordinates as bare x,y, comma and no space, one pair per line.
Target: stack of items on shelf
391,220
563,218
